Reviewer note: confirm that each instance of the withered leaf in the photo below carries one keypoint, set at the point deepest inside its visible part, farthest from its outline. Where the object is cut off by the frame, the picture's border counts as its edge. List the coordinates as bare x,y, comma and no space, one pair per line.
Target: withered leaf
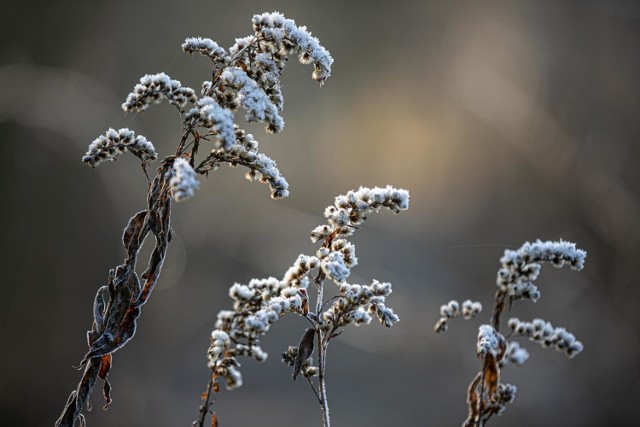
491,375
132,234
99,309
105,366
473,400
154,222
102,374
305,349
115,315
214,420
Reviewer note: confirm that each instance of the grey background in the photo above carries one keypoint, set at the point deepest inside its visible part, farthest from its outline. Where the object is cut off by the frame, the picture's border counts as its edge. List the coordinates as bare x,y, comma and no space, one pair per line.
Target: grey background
507,121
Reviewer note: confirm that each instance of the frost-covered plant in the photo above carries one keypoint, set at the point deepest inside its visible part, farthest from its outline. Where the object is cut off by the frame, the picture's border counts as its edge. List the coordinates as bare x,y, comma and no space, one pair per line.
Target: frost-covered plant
261,302
245,76
486,395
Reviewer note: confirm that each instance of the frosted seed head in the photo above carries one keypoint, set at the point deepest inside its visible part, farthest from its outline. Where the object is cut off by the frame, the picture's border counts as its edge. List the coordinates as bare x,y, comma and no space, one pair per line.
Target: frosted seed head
488,340
574,349
450,309
516,354
441,325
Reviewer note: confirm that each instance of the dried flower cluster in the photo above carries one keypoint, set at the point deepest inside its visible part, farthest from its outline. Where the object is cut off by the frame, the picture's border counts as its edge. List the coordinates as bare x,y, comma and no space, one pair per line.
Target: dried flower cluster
546,335
261,303
487,396
182,180
246,76
109,146
154,88
452,309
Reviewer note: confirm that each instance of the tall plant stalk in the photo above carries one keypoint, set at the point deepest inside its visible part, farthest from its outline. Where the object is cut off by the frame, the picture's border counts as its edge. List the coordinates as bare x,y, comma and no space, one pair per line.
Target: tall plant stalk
246,76
487,395
262,302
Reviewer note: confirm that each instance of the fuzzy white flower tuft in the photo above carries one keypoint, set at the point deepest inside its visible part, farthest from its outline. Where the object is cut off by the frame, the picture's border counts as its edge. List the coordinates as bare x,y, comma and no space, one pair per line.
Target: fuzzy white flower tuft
450,309
506,395
489,340
245,152
351,210
521,267
109,146
183,181
297,275
334,266
515,355
453,309
155,87
253,98
206,47
283,35
209,114
543,333
555,252
219,343
470,309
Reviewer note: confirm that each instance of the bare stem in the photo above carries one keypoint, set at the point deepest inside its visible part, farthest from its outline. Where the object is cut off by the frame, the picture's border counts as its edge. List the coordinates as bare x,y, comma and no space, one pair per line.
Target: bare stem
322,363
313,388
204,408
501,295
321,348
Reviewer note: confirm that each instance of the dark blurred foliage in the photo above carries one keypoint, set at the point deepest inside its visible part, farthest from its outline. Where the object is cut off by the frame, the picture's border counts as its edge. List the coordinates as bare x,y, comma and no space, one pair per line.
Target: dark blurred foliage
507,121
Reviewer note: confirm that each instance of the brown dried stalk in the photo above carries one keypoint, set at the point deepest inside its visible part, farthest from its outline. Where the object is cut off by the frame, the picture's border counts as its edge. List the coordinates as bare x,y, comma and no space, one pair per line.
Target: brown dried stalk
248,77
486,396
117,305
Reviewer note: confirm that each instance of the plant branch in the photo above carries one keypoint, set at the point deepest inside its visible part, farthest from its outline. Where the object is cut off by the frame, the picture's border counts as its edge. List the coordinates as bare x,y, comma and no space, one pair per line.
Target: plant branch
322,358
115,322
204,408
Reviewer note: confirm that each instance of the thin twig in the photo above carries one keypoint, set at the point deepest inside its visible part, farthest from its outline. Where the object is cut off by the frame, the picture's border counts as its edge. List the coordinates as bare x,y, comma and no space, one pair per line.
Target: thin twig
314,389
204,408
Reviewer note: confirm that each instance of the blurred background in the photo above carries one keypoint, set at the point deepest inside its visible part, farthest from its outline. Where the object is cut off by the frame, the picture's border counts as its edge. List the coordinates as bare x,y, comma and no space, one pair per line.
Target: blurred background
507,121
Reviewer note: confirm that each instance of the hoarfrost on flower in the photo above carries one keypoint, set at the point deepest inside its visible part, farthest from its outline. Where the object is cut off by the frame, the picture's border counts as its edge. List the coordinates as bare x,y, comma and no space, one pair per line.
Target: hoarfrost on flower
155,87
545,334
516,354
334,266
109,146
183,181
245,152
253,98
488,340
206,47
209,114
285,35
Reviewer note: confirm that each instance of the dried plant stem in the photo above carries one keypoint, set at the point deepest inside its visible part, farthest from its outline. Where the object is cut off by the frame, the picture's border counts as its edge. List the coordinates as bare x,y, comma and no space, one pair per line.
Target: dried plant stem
204,408
487,395
248,77
501,296
479,411
323,342
115,321
322,366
